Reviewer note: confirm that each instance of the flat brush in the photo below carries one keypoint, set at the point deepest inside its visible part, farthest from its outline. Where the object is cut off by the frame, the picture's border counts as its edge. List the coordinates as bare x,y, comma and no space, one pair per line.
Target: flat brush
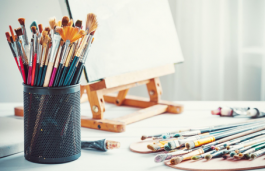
35,50
45,39
12,49
56,64
66,65
210,139
46,63
91,23
13,40
65,21
25,37
30,63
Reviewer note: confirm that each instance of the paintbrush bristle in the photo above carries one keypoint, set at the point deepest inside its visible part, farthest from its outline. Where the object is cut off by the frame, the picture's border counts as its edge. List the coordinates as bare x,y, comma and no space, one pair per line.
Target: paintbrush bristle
70,33
34,29
21,21
91,22
65,21
247,156
50,43
195,157
160,158
40,28
92,40
167,148
70,23
208,157
18,31
176,160
47,29
52,22
253,156
59,23
143,137
59,30
34,23
46,39
78,23
236,157
8,37
12,33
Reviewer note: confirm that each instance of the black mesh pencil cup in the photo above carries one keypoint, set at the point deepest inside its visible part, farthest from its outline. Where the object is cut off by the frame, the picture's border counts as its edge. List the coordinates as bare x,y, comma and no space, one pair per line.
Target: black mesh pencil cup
52,124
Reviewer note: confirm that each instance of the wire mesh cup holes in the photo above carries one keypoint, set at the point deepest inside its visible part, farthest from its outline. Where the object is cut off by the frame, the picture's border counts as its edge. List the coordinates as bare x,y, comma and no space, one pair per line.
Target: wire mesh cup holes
52,124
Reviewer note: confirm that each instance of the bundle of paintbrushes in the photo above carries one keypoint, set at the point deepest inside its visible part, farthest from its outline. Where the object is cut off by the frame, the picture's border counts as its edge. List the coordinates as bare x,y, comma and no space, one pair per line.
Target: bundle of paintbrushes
55,56
245,140
239,111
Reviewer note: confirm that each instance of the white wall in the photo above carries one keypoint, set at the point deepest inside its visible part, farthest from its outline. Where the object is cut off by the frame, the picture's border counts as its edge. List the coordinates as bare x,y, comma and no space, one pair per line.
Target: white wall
11,89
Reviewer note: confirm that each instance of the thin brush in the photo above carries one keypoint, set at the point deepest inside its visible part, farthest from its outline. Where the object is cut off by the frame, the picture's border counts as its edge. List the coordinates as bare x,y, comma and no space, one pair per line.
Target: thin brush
25,37
216,154
254,127
257,154
35,47
46,63
201,156
45,39
251,149
12,49
162,157
30,63
14,44
39,55
56,64
21,61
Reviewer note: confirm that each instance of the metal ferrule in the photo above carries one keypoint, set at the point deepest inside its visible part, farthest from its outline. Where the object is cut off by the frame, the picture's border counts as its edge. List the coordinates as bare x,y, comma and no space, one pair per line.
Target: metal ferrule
25,37
55,44
19,48
35,43
191,133
31,54
39,53
14,47
65,51
48,56
86,51
22,40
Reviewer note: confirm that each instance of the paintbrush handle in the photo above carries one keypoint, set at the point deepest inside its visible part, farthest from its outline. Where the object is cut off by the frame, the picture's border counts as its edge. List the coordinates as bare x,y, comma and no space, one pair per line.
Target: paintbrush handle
72,76
29,75
65,69
58,74
26,70
22,70
78,72
39,76
70,71
43,75
36,74
48,74
52,77
33,68
17,64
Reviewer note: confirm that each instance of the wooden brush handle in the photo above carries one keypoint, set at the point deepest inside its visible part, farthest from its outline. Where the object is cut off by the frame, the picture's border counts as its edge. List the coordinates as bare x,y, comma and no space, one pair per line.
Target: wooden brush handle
48,74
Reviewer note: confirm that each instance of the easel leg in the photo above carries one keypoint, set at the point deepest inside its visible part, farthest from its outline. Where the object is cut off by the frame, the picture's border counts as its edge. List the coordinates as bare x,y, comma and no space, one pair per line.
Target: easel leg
121,96
154,89
97,103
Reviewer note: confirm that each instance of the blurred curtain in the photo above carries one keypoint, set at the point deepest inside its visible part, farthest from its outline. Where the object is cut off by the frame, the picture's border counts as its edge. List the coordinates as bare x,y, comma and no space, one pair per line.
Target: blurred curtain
223,47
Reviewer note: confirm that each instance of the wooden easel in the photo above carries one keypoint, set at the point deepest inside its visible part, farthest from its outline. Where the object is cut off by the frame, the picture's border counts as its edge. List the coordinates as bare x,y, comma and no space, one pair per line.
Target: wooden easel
98,93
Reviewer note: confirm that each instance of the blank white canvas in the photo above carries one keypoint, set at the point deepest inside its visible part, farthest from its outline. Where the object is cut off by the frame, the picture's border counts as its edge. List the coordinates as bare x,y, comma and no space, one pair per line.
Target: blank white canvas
132,35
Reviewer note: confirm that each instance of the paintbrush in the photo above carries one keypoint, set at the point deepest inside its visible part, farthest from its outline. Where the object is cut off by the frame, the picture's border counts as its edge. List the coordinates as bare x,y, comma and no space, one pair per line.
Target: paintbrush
65,51
55,44
13,43
39,53
245,152
30,63
12,49
257,154
74,64
215,154
192,144
237,140
23,53
201,156
66,65
178,159
35,50
44,41
46,62
25,37
19,50
56,64
102,145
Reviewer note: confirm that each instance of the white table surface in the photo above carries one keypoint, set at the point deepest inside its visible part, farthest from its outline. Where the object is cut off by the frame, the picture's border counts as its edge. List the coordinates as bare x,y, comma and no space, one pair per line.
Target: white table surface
195,114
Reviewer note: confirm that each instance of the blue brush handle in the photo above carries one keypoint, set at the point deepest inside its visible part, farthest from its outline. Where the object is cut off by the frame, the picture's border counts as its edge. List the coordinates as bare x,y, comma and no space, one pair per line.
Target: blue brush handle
65,69
58,74
71,77
39,76
43,75
68,76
